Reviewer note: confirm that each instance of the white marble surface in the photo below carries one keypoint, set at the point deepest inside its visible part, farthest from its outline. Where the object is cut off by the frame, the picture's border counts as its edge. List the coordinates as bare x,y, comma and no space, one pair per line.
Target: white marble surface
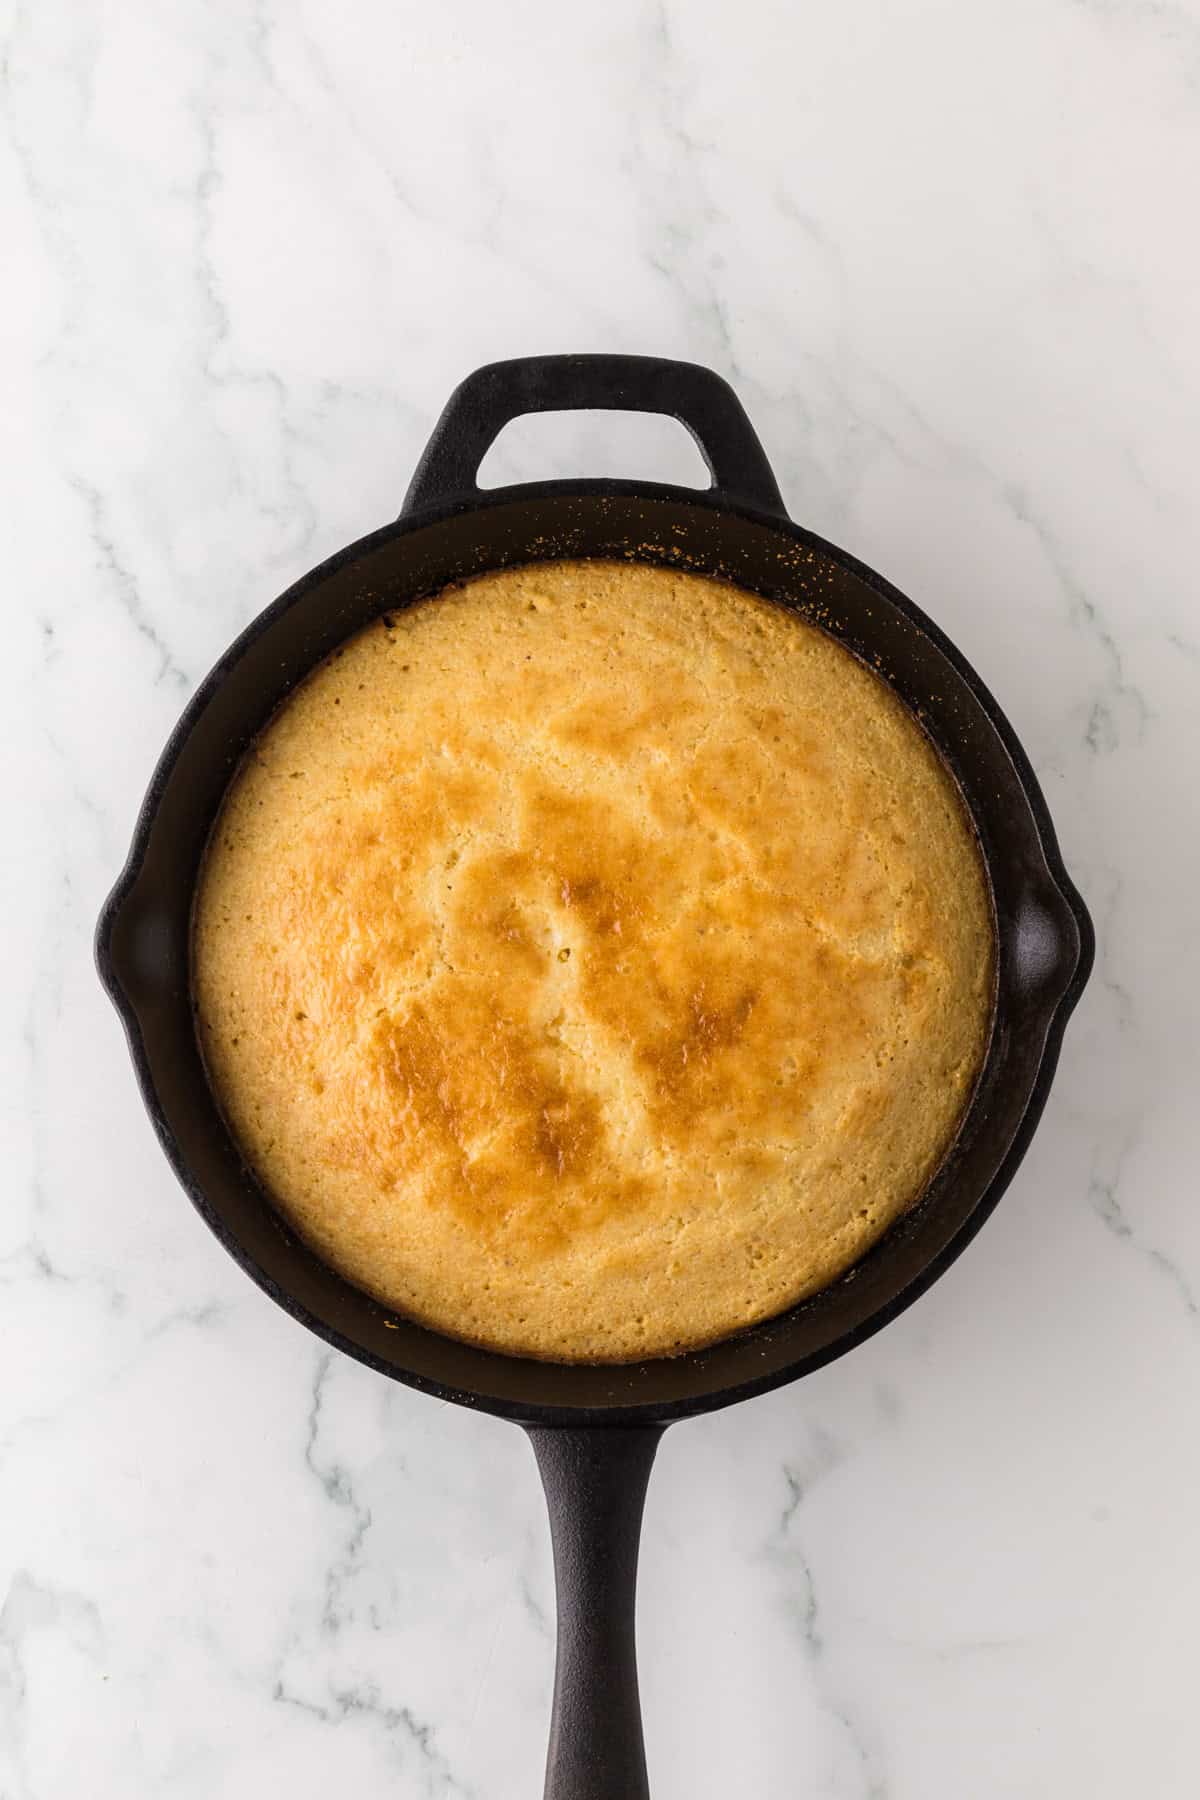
948,253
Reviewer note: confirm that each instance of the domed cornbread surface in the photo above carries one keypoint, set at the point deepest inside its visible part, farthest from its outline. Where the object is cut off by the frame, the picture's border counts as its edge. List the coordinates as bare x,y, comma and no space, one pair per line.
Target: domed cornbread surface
592,960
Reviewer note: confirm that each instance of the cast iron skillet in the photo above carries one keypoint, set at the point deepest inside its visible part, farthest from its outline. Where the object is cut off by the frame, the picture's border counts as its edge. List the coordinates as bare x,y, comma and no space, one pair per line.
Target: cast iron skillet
595,1430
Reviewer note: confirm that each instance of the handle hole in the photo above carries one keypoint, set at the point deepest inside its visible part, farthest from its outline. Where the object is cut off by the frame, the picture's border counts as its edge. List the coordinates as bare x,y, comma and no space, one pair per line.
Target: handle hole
563,445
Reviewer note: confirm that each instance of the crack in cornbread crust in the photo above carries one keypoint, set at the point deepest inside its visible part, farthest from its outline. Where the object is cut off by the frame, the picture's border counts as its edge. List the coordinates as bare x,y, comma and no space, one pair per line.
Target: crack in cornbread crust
593,960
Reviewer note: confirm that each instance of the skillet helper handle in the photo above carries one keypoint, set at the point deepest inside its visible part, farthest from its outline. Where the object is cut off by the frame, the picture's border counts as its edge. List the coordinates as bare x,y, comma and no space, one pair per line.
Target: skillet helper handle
595,1480
482,405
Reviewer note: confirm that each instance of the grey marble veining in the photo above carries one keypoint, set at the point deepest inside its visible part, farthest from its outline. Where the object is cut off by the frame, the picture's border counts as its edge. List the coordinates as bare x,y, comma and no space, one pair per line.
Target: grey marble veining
948,256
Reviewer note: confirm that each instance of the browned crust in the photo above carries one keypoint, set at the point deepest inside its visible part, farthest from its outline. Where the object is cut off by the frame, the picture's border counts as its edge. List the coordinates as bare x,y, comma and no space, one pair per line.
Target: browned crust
593,960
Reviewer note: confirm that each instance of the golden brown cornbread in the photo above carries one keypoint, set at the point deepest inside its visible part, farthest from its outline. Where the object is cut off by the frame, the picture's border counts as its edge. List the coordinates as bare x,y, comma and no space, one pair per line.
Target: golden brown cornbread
593,960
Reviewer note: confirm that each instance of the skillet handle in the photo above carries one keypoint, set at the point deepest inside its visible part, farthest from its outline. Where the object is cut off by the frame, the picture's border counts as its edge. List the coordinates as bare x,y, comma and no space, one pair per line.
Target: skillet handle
486,401
595,1480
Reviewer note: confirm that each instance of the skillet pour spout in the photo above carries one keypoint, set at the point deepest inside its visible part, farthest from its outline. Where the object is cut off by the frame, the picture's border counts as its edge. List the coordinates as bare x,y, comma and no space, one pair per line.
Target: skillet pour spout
595,1429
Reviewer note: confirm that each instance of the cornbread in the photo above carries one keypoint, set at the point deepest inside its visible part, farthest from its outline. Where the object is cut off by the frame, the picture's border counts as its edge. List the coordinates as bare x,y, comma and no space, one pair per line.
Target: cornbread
592,960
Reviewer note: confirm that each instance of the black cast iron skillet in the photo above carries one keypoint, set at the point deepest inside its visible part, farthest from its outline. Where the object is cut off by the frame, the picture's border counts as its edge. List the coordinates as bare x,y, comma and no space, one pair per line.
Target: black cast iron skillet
595,1430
